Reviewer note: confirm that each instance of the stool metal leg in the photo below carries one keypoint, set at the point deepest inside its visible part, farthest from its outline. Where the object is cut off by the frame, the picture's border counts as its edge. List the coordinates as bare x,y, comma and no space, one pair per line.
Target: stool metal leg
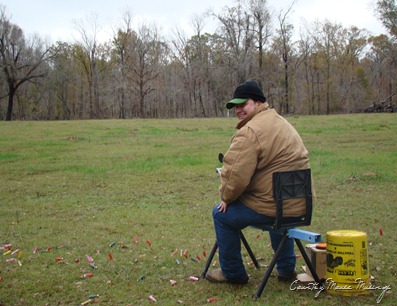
249,250
271,267
215,248
209,260
307,260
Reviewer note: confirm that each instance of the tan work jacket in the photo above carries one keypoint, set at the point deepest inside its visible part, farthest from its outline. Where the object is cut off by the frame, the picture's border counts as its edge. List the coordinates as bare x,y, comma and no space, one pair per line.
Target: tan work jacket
264,143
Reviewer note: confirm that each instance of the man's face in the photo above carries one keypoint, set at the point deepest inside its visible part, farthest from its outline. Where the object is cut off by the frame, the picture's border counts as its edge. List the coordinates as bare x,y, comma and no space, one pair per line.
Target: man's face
244,109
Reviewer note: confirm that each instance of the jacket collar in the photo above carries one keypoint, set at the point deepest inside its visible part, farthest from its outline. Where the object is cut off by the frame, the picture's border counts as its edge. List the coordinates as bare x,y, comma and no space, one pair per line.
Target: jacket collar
243,122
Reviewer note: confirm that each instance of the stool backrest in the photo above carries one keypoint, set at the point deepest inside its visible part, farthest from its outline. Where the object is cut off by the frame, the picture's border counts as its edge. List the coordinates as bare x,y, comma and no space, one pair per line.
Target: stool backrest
292,185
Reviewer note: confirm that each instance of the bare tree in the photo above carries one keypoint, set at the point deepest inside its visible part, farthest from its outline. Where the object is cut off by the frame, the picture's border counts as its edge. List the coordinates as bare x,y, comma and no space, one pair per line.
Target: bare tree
387,13
237,30
144,66
181,58
326,37
285,32
87,54
261,29
21,60
352,89
122,41
63,77
309,70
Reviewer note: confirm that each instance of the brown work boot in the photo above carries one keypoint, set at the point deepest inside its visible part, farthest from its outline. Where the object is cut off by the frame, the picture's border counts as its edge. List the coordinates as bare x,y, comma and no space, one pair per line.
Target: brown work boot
287,278
216,276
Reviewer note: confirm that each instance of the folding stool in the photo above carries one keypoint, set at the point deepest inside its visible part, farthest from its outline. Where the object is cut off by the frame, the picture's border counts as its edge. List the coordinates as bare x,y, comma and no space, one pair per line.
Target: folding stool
286,185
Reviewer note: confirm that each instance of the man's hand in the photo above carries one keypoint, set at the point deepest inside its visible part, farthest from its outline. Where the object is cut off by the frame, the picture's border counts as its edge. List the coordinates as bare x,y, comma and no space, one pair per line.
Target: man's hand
222,207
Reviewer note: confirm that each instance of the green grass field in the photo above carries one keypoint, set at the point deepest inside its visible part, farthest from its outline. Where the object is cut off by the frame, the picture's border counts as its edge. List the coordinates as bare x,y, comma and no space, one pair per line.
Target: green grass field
135,195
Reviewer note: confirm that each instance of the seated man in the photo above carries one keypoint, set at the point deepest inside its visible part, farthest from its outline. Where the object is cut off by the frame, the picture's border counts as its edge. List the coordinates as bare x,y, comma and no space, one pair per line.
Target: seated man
264,143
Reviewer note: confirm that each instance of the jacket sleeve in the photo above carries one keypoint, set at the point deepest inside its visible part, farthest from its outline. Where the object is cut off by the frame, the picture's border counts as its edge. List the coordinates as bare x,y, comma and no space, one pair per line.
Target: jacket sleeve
239,165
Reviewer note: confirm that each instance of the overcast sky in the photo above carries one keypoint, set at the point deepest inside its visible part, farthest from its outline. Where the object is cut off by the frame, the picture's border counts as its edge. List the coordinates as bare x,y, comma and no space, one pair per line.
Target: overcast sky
56,19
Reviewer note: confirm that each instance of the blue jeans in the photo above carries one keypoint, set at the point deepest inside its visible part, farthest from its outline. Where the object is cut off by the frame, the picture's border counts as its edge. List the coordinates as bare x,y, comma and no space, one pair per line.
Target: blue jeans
227,229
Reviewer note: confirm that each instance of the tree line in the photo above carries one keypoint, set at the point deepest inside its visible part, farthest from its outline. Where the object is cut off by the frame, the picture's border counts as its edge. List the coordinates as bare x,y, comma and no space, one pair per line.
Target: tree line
139,74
